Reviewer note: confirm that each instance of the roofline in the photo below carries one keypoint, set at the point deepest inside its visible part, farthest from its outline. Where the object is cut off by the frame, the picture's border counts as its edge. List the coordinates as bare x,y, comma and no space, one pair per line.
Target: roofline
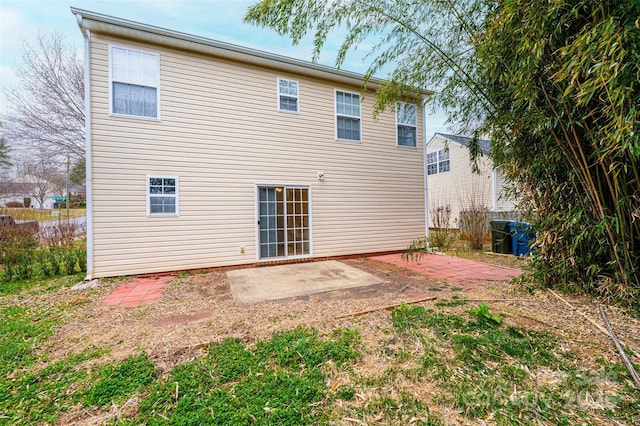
448,138
109,25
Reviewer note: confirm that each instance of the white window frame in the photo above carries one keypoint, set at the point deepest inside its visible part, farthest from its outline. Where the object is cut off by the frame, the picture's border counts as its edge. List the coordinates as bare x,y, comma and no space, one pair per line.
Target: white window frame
398,124
111,81
287,95
438,161
336,115
176,195
442,153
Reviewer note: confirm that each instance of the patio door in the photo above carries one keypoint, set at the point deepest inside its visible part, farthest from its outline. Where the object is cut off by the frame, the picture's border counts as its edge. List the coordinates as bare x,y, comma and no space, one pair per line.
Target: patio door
283,222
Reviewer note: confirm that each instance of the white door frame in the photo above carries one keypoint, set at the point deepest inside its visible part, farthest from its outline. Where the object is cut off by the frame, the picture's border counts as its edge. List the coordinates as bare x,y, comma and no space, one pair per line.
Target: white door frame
285,186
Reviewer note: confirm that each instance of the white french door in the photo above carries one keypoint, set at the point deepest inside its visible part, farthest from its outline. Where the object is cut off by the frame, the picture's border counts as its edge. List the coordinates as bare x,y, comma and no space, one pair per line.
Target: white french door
284,222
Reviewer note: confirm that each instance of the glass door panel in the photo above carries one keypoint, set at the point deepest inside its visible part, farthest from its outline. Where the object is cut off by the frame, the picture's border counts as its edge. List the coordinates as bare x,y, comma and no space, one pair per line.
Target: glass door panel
283,222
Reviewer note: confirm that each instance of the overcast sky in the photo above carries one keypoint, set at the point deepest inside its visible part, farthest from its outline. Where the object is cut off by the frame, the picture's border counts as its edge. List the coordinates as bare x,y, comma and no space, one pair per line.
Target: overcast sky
22,20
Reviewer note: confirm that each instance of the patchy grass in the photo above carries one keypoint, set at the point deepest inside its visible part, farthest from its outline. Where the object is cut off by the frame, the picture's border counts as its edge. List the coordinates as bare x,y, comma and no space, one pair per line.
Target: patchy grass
29,394
278,381
452,364
491,372
40,214
38,285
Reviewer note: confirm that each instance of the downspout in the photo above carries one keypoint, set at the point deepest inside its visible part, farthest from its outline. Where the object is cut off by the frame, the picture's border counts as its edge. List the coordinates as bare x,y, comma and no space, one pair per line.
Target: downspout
494,184
88,151
424,166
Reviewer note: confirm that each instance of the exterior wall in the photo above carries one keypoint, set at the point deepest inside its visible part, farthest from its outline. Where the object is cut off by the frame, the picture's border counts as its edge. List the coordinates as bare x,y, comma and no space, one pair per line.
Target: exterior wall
221,134
505,203
458,187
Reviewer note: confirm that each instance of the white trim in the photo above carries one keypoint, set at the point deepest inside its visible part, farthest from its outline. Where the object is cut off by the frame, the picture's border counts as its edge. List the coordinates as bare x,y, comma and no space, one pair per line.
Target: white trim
111,46
88,149
415,126
424,165
176,196
335,114
257,186
297,96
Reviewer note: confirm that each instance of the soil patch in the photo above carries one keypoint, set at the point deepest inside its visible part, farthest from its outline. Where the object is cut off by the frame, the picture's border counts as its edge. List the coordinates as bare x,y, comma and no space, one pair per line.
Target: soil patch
198,309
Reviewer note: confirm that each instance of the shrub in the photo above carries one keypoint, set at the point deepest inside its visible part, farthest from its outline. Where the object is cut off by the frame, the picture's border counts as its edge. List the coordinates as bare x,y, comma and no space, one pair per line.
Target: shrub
14,204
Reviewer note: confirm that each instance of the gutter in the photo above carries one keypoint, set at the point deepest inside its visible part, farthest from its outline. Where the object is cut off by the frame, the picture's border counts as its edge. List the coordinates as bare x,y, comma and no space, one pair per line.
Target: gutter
424,166
123,28
86,34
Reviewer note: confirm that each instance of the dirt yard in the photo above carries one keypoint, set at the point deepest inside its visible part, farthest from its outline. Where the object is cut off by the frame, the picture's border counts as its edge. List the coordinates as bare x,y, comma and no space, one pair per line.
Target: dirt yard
197,309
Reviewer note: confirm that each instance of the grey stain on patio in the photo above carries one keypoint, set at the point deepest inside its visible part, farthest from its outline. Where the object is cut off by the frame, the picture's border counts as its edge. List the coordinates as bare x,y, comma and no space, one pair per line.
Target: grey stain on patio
283,281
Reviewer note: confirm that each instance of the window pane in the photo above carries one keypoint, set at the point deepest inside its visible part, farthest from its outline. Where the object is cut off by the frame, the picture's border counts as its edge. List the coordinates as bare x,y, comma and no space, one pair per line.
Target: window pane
162,204
293,88
349,128
432,169
444,166
288,104
407,114
406,136
149,70
134,66
134,100
118,64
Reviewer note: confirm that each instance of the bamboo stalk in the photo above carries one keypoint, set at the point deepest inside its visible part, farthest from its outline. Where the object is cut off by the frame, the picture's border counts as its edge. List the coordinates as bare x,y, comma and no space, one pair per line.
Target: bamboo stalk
598,326
625,359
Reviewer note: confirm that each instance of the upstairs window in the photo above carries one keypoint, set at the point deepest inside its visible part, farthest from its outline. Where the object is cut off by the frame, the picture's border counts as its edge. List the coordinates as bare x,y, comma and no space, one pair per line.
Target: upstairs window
438,162
348,116
406,121
134,82
287,95
162,195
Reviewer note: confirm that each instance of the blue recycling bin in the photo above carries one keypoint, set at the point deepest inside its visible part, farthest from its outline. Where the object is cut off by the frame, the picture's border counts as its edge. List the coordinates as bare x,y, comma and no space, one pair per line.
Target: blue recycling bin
522,237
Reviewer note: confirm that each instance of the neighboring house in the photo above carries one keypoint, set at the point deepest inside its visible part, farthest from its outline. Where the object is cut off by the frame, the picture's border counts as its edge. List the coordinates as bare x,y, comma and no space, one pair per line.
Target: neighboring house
453,186
12,191
203,154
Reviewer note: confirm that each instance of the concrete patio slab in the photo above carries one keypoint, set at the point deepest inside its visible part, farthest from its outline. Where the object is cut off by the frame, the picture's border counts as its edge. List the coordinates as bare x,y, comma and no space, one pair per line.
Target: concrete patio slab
283,281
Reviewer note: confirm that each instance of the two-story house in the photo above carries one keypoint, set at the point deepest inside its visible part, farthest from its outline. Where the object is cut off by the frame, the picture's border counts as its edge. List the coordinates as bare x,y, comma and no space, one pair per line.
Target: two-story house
203,154
453,185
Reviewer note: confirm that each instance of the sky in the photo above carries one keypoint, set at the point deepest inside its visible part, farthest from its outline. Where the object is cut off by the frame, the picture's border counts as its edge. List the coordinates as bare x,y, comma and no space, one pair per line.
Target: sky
22,20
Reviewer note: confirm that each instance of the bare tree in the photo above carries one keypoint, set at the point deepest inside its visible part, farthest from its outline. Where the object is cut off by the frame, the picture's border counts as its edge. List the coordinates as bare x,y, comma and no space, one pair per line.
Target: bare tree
48,103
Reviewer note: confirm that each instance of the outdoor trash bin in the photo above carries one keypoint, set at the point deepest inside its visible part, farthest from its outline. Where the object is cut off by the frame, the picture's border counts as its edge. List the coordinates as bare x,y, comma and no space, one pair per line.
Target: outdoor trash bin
501,241
522,236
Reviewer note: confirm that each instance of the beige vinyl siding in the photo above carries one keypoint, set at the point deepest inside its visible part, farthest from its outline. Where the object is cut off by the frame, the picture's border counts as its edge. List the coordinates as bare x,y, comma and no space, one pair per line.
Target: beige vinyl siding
459,187
220,133
505,202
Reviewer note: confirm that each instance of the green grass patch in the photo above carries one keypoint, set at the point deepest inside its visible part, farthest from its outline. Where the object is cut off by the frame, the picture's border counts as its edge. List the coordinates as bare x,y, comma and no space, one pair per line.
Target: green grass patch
279,381
21,330
116,382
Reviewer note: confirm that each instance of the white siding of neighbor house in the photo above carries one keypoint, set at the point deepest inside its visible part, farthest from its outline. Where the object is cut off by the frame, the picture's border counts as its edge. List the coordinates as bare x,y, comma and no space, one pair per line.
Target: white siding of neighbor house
220,133
460,187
